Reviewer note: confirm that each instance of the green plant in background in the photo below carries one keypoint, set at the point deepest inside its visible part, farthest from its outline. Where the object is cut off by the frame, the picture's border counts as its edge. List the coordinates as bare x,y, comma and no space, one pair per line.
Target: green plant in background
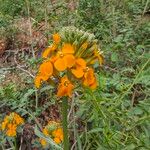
116,115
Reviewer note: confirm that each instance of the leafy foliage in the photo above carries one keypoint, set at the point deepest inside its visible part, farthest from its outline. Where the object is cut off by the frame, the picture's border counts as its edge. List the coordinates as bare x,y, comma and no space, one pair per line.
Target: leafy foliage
117,114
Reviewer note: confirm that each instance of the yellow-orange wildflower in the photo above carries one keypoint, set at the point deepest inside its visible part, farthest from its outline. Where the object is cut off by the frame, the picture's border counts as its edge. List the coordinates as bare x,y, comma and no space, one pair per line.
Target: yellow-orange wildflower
10,124
82,71
89,78
58,132
46,69
65,58
57,140
80,66
65,87
56,38
54,131
37,81
58,135
45,72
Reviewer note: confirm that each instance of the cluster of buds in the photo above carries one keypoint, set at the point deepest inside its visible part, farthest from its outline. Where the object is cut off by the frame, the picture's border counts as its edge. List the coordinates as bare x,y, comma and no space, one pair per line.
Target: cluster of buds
54,131
70,59
10,124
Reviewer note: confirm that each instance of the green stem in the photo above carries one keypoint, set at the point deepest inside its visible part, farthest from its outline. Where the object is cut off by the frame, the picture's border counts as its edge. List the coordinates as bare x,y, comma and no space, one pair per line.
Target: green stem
15,143
64,122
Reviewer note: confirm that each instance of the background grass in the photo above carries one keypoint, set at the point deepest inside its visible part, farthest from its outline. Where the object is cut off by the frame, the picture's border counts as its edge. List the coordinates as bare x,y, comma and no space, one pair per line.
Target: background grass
117,114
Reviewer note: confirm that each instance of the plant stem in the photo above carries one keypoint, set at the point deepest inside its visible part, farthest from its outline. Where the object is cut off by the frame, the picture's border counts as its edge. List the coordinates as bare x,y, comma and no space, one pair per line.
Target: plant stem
15,143
64,122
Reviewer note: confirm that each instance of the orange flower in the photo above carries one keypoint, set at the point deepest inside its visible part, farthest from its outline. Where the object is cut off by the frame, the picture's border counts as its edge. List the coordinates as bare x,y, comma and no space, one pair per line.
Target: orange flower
37,81
57,140
89,79
54,131
65,87
80,65
48,50
58,132
10,124
56,38
11,130
45,72
65,58
46,69
58,135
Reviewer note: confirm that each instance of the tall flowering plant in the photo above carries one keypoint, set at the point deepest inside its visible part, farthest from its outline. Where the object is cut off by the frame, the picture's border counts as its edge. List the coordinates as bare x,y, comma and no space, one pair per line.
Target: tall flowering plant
69,62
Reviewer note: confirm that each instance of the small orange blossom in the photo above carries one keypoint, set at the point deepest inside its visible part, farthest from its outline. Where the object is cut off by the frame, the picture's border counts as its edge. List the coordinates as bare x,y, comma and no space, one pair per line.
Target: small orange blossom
65,87
65,58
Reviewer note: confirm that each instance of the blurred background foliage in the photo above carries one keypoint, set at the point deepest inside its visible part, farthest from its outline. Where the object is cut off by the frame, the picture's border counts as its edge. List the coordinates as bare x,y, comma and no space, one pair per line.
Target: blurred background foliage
119,116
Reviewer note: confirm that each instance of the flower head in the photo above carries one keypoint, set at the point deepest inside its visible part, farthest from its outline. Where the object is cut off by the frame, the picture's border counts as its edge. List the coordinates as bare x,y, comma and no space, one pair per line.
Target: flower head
11,123
54,131
80,66
89,78
45,72
72,54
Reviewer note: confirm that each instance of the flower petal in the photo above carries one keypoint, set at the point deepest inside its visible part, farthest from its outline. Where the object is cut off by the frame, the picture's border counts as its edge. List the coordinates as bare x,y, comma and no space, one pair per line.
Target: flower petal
69,90
70,59
57,140
60,64
53,59
37,81
61,91
93,85
77,72
46,52
46,69
65,87
81,63
89,76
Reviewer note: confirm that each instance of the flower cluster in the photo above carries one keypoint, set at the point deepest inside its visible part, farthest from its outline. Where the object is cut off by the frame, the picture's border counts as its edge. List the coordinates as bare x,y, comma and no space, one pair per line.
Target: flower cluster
71,56
54,131
11,123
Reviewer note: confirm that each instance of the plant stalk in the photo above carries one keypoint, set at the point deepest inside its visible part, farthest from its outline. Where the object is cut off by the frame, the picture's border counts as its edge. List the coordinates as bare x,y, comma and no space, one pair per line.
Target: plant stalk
64,122
15,141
